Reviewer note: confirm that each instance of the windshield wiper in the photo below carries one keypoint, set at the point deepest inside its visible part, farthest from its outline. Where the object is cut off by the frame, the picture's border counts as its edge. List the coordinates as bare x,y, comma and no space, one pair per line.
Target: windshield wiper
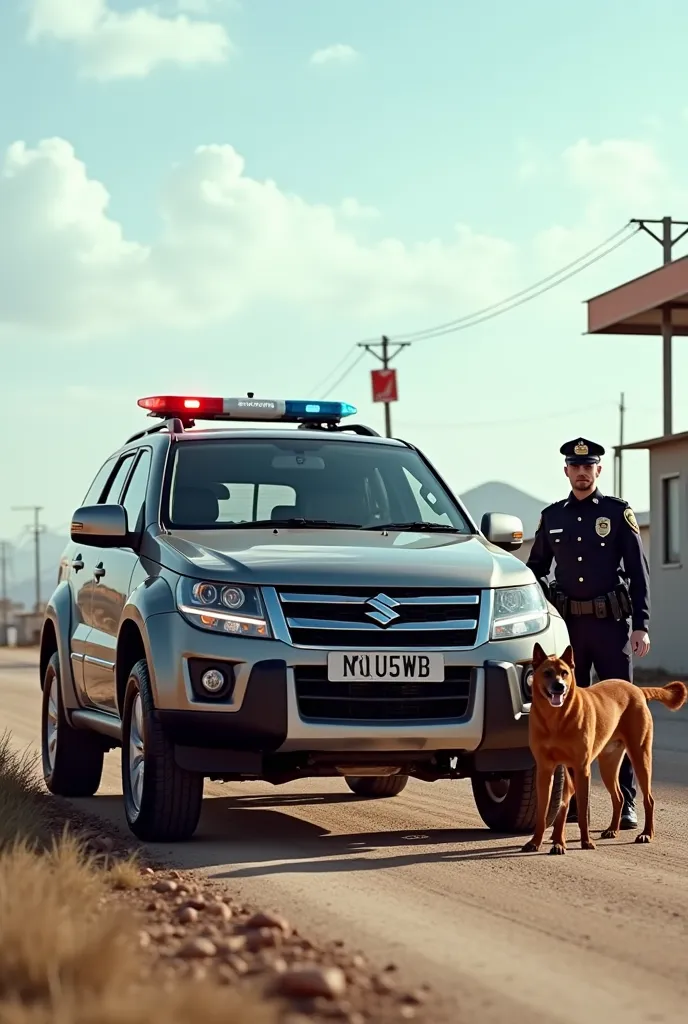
419,527
295,523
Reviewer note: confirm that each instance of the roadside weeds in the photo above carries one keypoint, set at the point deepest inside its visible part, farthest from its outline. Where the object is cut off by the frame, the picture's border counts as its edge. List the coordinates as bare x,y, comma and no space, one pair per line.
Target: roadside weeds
93,933
68,953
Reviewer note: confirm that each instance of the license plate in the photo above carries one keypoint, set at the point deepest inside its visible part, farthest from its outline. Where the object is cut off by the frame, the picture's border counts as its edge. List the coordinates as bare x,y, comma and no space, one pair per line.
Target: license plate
343,667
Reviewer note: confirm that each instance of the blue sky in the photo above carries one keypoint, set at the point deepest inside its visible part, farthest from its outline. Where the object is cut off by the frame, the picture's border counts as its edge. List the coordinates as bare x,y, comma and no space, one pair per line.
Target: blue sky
506,118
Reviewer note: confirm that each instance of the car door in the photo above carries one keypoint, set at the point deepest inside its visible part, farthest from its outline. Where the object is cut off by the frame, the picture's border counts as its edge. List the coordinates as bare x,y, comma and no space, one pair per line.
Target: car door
78,563
112,574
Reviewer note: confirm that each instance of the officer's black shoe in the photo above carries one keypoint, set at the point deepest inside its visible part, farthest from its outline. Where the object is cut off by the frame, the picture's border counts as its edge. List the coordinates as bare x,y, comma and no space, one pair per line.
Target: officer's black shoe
629,818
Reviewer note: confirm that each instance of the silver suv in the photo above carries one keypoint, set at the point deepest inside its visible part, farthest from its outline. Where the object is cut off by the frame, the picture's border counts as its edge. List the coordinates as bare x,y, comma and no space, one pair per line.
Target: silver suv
282,600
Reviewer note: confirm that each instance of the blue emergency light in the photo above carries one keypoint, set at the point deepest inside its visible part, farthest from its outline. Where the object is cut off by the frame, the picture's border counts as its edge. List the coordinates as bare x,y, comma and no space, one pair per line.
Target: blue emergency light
249,408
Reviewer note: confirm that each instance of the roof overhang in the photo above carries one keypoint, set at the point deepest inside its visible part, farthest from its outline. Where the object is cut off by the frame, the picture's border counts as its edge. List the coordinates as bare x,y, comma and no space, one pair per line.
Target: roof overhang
636,307
653,442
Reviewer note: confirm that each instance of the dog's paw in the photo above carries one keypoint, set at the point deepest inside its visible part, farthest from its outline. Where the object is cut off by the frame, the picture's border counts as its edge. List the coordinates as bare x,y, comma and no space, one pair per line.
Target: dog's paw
557,850
530,847
609,834
643,838
587,845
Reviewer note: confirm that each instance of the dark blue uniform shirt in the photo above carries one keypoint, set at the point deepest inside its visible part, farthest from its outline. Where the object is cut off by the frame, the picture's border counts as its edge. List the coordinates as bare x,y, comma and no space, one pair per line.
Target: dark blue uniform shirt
589,539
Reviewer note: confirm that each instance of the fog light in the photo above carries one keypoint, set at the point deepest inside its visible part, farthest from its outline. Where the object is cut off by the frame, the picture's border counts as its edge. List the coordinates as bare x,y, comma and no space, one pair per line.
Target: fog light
527,682
213,680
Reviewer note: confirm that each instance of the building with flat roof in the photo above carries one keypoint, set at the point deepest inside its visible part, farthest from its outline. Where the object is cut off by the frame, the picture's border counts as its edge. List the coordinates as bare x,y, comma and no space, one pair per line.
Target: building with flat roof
657,304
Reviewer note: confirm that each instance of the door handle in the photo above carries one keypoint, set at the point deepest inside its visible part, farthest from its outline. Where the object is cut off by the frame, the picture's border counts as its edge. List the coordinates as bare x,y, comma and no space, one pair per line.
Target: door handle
99,572
77,563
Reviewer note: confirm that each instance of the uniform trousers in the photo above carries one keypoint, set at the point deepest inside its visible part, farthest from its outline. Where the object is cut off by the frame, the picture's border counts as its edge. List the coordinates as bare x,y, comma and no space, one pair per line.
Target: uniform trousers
606,645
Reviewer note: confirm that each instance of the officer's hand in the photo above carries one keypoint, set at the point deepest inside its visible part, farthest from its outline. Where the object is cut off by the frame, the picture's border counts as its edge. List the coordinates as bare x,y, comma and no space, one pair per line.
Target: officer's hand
640,642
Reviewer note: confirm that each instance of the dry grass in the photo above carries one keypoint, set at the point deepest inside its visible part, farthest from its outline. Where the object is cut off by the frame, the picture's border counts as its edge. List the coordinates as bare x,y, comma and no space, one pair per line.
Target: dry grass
68,953
21,813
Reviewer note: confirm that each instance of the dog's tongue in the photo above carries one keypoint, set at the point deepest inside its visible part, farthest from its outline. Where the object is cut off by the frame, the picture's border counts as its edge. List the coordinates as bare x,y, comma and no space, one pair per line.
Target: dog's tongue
556,699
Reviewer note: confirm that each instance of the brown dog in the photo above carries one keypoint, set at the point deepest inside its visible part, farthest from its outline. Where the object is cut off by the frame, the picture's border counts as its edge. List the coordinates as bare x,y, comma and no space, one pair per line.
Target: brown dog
573,726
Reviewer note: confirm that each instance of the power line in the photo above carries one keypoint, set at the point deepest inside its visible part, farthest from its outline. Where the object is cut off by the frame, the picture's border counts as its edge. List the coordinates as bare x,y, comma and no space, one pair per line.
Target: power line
344,375
316,389
519,298
533,291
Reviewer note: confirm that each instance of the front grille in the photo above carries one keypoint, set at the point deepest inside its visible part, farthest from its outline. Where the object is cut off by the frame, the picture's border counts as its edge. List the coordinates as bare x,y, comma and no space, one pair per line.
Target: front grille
320,700
358,618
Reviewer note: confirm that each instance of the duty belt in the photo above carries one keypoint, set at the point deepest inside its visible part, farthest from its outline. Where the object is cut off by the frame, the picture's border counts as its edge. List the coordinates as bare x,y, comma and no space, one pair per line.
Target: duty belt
614,605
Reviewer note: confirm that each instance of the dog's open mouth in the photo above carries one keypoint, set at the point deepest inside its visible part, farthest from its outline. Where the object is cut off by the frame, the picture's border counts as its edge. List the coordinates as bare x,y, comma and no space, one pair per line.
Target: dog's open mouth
556,699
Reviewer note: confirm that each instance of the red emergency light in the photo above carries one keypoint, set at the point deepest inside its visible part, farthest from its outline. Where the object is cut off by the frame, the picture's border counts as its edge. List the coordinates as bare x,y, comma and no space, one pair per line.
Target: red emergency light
177,405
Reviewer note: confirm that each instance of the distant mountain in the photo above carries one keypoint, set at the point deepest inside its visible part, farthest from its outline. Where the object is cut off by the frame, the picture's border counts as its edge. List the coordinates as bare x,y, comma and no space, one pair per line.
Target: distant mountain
498,497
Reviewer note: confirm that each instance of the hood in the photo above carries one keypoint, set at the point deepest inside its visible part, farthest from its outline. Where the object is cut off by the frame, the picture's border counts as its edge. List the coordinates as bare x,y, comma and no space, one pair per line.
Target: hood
341,557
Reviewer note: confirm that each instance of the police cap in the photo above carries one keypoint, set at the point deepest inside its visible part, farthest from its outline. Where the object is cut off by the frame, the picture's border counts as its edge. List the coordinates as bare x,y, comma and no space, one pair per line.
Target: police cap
581,452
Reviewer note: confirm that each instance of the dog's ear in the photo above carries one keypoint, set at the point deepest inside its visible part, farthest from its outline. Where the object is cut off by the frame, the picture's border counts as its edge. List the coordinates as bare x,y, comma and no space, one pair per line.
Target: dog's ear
538,656
567,656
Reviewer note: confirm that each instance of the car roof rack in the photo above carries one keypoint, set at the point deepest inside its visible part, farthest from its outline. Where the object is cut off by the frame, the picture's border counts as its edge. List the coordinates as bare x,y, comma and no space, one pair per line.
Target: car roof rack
174,424
355,428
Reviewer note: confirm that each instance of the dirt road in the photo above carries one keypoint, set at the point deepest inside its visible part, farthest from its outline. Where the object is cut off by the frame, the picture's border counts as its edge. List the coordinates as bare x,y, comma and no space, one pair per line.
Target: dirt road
417,880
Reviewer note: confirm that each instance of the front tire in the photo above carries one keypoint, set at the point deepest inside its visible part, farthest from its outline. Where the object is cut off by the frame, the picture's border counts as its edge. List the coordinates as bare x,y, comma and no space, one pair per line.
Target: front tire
509,804
162,802
72,758
376,787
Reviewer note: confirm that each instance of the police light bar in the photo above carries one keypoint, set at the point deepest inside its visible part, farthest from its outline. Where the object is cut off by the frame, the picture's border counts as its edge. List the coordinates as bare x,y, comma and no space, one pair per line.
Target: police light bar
285,410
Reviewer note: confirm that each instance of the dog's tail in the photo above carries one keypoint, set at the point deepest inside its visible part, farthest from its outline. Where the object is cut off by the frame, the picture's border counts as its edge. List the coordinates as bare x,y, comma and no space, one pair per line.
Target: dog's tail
673,695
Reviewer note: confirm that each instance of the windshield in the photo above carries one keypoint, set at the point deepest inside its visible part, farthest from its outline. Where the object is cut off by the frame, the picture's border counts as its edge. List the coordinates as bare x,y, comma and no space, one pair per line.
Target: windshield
234,483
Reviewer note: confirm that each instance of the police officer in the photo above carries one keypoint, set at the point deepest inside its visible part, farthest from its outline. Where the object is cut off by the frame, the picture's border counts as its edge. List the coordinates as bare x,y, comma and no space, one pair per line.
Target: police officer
589,535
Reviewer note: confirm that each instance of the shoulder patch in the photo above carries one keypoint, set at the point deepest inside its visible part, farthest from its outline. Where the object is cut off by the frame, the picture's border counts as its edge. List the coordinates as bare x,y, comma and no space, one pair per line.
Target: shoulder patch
630,519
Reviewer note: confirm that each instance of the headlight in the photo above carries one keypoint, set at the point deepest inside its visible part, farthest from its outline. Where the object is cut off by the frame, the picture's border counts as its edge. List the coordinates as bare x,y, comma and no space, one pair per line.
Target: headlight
222,608
519,611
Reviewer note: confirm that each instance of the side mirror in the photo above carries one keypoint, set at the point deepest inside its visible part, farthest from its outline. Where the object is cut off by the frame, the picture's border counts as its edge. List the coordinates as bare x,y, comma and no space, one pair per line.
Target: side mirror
502,530
100,526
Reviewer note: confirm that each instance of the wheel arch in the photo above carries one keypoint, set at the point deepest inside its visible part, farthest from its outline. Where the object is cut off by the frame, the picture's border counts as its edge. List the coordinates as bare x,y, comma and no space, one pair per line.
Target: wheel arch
55,638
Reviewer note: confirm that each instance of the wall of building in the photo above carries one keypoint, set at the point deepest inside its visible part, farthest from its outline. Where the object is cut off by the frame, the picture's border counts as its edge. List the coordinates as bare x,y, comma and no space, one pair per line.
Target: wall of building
669,584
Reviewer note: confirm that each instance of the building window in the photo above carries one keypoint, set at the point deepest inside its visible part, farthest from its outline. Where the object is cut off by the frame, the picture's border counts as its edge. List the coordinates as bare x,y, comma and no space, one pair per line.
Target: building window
671,521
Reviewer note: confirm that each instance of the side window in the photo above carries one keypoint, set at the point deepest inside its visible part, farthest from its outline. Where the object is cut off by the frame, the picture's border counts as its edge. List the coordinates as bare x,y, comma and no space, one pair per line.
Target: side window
135,494
111,496
94,492
671,515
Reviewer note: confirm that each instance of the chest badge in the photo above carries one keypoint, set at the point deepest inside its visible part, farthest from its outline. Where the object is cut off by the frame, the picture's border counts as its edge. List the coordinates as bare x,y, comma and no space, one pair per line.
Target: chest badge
603,526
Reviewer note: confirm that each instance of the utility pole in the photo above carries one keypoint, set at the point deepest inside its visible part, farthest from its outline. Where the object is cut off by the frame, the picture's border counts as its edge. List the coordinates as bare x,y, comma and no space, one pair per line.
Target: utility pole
667,242
36,529
619,450
4,557
385,358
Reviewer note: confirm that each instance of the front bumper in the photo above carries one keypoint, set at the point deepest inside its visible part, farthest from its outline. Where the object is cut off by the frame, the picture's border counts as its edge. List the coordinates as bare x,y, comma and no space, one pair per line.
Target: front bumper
262,714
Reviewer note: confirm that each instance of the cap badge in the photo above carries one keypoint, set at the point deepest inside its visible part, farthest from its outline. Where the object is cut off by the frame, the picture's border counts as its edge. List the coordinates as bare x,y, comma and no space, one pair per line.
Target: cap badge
581,448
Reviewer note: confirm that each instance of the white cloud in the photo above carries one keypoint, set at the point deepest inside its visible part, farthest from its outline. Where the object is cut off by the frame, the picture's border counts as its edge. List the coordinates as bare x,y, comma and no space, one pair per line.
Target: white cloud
227,243
131,44
338,53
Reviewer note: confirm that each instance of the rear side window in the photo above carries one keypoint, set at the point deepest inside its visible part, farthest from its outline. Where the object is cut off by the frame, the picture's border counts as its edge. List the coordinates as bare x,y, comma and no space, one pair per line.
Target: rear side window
92,496
135,495
112,495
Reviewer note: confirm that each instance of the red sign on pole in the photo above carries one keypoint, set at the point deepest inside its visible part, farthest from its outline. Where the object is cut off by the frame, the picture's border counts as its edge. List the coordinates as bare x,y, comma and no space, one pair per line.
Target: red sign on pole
384,385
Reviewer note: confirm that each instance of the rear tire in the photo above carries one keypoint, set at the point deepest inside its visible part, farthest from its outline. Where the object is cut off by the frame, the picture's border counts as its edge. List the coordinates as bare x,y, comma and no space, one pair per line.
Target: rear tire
376,787
162,802
72,758
509,804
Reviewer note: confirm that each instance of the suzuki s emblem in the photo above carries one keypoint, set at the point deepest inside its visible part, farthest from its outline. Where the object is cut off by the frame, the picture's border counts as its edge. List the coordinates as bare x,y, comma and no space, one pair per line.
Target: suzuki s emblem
383,607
